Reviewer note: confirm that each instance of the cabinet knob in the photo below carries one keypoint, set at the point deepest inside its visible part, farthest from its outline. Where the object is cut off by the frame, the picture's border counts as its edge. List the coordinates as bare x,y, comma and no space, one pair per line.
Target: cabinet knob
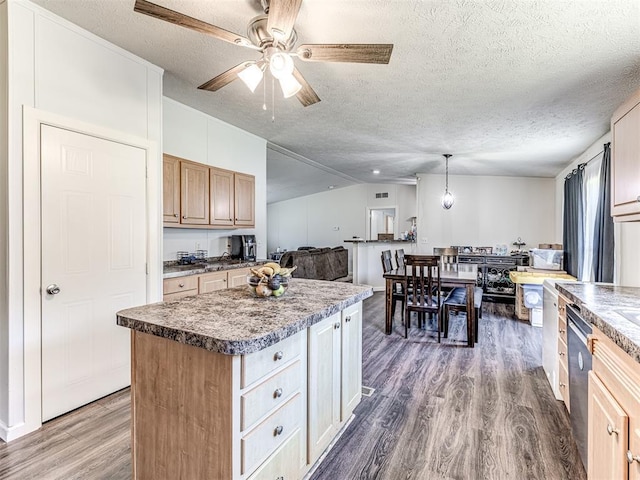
611,430
184,216
561,330
277,393
348,319
175,215
562,385
632,458
278,430
278,356
336,325
560,353
181,285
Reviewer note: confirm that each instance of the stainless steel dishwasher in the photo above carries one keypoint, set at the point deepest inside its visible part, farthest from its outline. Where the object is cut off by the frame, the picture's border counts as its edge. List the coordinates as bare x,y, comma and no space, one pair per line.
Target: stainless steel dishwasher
579,366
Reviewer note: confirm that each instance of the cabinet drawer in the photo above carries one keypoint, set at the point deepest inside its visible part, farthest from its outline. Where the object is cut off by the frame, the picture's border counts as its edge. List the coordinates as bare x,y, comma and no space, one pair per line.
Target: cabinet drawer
562,354
257,365
180,284
212,282
562,328
263,440
285,463
563,384
170,297
270,394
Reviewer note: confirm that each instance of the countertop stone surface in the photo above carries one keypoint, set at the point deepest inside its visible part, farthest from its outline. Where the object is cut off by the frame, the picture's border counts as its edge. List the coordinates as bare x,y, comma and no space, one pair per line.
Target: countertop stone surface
234,322
171,269
601,303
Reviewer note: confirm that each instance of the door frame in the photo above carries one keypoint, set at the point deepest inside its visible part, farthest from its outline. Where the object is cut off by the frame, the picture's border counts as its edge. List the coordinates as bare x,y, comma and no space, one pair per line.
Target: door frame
32,264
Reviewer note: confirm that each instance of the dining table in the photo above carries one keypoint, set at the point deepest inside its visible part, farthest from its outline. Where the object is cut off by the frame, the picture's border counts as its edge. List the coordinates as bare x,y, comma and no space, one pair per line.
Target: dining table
448,278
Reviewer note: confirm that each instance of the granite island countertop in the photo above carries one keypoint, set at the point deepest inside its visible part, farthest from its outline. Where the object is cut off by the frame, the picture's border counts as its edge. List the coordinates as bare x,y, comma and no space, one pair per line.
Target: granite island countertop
234,322
173,270
600,305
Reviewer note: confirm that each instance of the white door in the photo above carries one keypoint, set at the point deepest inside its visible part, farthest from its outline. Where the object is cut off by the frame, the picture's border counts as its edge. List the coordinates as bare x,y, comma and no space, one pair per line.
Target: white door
94,250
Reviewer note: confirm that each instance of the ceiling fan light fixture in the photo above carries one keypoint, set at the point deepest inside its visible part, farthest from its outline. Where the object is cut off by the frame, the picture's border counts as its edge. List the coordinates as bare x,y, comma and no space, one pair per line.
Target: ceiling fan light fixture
251,76
447,198
281,65
289,85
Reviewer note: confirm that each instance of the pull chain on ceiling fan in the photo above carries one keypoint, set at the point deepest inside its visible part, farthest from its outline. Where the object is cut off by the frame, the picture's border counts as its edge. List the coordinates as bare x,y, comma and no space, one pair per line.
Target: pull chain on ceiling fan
273,35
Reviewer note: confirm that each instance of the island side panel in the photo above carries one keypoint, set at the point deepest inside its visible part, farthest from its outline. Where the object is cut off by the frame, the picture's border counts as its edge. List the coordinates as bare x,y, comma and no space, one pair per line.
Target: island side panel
181,410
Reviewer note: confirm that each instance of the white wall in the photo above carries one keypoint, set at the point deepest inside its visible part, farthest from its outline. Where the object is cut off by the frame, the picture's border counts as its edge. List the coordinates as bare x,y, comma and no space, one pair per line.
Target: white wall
57,67
327,219
626,234
195,136
4,278
487,211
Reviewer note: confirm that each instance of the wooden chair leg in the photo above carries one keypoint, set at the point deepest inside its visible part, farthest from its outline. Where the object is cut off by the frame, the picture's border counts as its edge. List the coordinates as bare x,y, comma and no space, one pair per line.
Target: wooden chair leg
445,321
478,317
393,307
407,319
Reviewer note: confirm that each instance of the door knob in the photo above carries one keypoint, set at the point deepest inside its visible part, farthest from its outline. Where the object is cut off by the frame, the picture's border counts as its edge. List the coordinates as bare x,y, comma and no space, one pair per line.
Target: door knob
53,289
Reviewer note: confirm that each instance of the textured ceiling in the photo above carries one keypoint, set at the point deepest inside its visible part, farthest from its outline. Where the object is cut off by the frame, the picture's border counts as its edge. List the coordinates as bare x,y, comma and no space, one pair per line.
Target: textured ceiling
510,87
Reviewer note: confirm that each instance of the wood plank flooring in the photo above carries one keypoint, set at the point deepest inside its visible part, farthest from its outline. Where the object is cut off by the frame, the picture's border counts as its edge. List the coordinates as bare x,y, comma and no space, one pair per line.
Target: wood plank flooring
439,411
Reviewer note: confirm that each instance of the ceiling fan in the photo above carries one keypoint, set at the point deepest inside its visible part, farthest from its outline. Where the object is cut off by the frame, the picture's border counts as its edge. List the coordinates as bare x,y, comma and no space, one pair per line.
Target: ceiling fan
272,34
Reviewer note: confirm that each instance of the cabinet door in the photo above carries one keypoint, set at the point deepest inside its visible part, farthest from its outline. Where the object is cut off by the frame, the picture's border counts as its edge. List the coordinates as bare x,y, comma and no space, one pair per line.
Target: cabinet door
170,189
608,434
194,193
245,200
222,197
211,282
324,385
625,127
351,360
237,277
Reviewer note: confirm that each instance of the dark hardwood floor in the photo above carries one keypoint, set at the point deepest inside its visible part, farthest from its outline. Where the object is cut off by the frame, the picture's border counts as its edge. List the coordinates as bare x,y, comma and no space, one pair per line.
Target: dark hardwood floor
439,411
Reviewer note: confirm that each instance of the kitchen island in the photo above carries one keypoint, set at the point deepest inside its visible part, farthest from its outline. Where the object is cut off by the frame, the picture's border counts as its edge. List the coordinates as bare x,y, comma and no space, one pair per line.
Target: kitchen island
228,386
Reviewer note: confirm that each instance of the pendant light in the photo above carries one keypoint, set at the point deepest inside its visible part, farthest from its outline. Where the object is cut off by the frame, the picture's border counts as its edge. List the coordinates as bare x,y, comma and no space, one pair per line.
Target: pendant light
447,198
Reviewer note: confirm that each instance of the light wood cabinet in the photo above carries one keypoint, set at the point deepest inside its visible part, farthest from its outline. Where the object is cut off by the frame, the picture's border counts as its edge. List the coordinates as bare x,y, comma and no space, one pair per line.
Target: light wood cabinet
563,358
245,186
199,196
625,161
194,194
614,412
211,282
237,277
175,288
170,189
222,197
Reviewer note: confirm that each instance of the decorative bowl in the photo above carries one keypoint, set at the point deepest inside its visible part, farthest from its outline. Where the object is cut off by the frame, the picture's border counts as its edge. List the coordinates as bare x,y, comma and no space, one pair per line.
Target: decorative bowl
276,286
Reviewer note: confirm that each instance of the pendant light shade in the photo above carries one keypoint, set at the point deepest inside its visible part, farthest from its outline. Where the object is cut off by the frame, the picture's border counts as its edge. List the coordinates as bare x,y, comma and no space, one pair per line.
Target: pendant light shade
252,76
447,198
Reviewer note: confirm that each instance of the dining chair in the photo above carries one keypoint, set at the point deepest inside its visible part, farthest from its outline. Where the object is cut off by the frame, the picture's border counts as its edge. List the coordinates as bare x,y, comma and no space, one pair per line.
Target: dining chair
400,257
398,291
423,292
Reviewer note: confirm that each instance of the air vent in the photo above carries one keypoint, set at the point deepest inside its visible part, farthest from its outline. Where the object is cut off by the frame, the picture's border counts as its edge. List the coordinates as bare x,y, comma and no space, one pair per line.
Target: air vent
382,195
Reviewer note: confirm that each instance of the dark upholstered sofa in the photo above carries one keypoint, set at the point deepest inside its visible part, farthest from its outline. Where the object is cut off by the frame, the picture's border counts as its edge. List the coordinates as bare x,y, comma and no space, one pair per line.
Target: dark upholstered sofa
318,263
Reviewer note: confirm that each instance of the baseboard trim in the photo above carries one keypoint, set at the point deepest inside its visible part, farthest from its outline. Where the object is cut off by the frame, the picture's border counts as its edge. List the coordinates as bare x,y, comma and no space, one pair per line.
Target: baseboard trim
11,433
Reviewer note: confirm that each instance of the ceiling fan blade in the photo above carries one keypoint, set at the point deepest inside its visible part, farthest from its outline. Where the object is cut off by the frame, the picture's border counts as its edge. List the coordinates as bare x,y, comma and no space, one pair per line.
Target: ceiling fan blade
216,83
352,53
306,95
282,16
177,18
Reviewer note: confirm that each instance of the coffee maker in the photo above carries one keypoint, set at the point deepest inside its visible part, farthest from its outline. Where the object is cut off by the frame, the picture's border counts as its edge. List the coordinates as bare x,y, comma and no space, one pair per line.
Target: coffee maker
243,247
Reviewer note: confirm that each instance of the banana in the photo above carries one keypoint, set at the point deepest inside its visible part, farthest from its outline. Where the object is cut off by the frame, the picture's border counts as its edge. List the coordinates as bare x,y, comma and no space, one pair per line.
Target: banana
268,271
276,268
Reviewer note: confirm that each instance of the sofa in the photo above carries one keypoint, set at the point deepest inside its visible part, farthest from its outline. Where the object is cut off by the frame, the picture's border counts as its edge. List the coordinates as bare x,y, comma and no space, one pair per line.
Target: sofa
318,263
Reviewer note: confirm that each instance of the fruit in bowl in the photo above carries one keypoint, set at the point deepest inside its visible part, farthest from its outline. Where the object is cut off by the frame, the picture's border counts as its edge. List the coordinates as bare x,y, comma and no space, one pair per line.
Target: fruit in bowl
269,280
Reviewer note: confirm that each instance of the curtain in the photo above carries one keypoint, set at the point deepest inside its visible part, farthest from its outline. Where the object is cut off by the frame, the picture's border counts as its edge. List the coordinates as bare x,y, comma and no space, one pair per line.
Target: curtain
603,231
573,223
590,197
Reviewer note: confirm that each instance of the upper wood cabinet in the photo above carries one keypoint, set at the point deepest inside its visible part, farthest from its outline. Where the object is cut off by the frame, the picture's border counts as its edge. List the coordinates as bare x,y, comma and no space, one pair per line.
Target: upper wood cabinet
245,187
222,197
625,164
171,189
199,196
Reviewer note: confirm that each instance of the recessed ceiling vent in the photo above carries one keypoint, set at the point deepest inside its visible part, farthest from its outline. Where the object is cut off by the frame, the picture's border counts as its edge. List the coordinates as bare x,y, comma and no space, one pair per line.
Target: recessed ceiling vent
382,195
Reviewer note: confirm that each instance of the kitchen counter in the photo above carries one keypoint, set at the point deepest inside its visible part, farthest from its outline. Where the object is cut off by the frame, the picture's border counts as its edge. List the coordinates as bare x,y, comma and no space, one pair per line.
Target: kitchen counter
234,322
602,304
173,270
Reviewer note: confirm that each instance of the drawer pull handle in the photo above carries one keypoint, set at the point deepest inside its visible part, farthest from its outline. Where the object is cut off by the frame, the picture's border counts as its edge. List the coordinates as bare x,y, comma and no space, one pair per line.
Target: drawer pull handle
336,325
632,458
278,430
277,393
348,319
562,331
181,285
560,353
611,430
280,478
278,356
562,385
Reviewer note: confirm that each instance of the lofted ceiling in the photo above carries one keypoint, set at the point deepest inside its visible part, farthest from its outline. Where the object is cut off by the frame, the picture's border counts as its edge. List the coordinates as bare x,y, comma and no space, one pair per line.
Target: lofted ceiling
509,87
